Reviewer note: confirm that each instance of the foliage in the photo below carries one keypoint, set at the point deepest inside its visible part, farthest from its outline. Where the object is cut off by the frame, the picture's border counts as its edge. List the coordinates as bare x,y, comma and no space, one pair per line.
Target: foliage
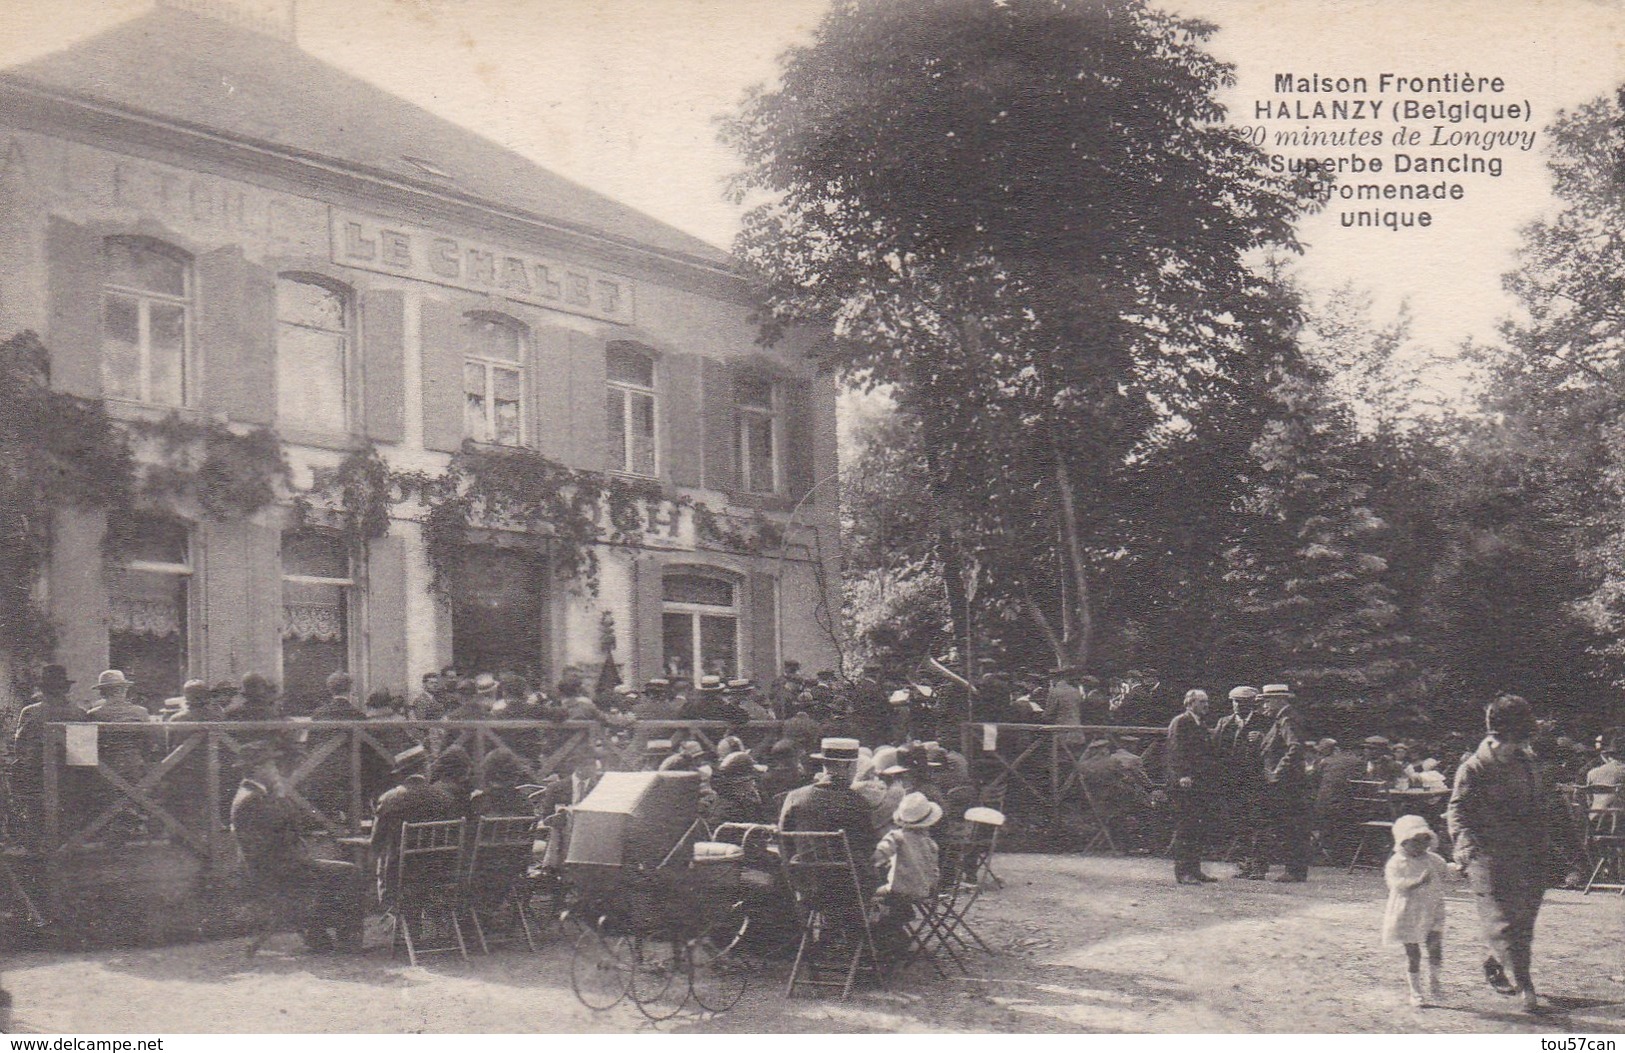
1028,220
519,489
57,452
207,465
361,489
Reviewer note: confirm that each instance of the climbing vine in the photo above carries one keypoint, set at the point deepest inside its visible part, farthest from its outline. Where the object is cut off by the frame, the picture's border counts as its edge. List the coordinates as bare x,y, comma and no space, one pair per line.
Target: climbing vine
361,491
57,452
204,463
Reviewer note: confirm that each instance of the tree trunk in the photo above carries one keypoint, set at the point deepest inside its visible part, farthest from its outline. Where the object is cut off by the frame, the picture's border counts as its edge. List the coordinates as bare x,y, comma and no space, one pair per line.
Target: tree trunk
1078,637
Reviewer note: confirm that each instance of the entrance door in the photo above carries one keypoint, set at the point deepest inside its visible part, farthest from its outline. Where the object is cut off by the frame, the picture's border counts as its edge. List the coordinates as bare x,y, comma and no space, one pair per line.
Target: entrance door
499,612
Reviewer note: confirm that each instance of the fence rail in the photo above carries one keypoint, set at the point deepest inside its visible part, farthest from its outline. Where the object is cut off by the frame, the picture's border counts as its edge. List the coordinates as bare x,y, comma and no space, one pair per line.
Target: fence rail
1035,766
116,790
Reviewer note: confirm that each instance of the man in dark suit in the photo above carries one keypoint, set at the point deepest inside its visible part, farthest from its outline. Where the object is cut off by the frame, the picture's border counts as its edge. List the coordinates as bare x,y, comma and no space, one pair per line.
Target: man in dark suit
326,895
1190,774
830,803
1286,784
1240,778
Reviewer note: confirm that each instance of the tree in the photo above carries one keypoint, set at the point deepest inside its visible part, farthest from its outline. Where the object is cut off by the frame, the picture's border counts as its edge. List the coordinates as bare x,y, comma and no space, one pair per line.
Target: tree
1027,218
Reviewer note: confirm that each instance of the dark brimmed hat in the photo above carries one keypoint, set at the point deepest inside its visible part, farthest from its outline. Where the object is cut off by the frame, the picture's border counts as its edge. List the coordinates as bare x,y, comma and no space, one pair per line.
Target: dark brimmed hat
453,763
54,678
738,764
835,749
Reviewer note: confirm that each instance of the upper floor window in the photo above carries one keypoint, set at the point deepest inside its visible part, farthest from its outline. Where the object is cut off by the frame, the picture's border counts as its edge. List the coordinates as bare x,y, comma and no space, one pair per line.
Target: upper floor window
145,321
756,446
494,379
312,355
631,410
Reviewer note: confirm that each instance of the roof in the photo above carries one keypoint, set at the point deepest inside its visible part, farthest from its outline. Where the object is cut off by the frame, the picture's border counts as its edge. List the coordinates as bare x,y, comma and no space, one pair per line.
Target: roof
204,72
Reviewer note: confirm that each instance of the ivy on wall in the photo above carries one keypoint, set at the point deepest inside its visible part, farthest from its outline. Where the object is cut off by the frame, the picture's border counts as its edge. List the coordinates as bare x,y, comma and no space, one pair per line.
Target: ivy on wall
206,464
360,491
57,452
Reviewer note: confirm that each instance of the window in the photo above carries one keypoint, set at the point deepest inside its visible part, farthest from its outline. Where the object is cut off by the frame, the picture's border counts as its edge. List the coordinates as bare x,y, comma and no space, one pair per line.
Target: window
147,601
144,321
312,354
494,379
700,626
631,405
498,611
756,446
316,593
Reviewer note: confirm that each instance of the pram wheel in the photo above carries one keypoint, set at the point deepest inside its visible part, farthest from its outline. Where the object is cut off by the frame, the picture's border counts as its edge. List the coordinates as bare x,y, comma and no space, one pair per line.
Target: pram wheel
601,969
659,977
718,974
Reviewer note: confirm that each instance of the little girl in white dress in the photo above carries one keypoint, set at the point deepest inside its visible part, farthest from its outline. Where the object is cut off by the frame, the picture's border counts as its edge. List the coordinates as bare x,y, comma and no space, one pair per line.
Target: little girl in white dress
1415,914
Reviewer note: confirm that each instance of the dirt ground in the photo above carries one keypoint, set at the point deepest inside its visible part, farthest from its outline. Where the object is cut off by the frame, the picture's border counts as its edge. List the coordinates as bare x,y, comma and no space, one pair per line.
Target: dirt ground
1086,944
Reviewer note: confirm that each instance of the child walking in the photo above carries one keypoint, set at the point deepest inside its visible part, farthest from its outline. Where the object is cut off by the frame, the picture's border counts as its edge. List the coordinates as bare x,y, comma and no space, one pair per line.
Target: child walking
1415,914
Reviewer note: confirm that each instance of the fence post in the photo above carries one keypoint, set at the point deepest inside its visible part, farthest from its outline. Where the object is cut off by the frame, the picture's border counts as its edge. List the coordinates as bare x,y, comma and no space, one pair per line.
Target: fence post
56,738
211,800
1055,779
356,803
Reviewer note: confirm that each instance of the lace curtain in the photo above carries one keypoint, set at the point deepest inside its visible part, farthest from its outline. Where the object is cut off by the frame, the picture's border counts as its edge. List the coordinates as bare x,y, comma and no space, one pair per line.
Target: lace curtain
143,617
312,621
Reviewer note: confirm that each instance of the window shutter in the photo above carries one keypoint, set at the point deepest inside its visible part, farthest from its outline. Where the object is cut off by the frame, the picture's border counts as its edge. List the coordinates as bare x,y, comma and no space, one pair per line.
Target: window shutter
799,438
550,400
442,377
720,424
763,627
76,271
588,384
236,336
685,430
383,364
386,615
648,605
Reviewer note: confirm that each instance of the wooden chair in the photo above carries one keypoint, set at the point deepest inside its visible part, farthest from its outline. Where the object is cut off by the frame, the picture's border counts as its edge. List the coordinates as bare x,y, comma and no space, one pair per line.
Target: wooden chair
428,887
1605,846
499,859
836,938
1375,815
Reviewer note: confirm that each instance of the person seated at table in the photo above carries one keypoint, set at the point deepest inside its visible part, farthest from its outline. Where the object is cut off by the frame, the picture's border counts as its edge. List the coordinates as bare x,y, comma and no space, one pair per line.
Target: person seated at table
909,863
1121,796
1380,765
501,775
1610,773
442,795
325,896
1429,777
738,797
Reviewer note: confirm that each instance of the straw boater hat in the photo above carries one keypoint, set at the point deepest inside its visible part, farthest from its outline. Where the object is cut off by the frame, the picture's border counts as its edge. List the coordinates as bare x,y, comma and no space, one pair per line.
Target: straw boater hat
412,759
916,811
885,759
657,747
486,684
710,684
1276,691
837,750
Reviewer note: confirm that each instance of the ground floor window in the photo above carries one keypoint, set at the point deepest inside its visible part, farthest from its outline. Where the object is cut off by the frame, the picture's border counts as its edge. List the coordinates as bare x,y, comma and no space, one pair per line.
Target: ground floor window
498,612
147,606
316,612
700,626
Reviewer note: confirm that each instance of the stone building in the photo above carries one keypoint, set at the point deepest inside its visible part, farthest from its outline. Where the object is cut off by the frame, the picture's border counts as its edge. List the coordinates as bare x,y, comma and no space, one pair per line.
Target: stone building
199,218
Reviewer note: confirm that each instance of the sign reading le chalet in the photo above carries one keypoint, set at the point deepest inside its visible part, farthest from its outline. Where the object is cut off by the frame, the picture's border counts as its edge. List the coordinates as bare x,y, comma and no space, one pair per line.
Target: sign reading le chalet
425,255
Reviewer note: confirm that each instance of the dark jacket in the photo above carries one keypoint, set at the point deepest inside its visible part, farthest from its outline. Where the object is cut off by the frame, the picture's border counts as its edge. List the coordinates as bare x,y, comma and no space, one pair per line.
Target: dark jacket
267,828
1190,751
1499,808
1282,751
824,806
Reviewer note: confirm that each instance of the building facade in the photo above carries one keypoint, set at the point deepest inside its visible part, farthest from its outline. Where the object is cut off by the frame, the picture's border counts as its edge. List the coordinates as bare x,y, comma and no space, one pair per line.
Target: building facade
200,219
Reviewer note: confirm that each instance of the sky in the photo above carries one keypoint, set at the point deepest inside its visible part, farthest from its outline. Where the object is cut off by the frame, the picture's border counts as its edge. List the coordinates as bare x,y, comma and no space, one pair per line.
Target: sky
623,95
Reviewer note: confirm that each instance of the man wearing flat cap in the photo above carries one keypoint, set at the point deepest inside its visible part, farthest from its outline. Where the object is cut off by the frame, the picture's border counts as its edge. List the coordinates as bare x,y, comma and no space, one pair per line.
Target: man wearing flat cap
1240,781
1286,784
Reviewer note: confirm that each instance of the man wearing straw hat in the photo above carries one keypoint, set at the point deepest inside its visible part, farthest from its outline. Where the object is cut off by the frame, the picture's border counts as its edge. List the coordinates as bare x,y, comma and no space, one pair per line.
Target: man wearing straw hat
830,804
1286,784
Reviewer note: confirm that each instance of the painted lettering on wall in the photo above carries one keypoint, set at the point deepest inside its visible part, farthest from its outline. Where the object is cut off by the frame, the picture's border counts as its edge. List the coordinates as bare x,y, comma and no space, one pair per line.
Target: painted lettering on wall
431,256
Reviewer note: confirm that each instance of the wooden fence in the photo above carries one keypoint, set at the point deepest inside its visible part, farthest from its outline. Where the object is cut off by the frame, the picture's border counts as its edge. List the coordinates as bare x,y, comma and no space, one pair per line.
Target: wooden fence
1034,767
149,804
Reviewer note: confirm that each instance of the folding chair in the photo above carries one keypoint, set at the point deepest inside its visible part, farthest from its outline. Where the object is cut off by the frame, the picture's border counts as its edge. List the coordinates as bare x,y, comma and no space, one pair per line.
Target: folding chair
498,873
1605,844
1376,822
946,925
428,887
836,937
982,825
